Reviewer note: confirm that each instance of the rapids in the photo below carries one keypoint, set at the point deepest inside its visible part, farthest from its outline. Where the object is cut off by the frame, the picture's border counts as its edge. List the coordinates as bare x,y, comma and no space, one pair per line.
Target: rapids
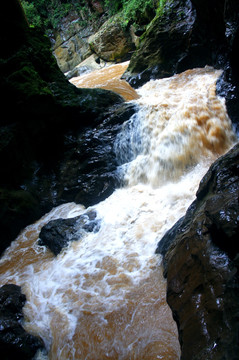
104,296
107,78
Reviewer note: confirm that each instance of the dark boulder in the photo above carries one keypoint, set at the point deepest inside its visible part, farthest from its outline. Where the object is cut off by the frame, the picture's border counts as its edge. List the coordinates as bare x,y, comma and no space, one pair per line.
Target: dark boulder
86,171
15,342
201,255
58,233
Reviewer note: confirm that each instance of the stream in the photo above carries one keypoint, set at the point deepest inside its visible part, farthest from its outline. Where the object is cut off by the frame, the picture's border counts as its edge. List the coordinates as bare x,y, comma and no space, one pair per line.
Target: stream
104,296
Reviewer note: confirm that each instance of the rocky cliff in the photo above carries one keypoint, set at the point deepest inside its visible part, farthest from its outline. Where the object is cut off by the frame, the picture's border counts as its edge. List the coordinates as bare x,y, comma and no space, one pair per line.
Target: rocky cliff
40,110
99,30
188,34
106,39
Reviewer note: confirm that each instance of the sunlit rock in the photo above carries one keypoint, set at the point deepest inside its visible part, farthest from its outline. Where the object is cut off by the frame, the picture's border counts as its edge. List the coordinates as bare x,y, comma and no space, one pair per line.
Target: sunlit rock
112,42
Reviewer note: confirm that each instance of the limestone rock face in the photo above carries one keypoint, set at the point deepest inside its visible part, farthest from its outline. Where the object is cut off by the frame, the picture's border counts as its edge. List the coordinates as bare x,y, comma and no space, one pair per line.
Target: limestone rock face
201,255
74,44
111,42
72,48
71,53
90,64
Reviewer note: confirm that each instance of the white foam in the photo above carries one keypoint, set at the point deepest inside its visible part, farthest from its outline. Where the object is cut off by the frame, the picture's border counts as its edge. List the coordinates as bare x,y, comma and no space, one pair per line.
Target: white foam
180,129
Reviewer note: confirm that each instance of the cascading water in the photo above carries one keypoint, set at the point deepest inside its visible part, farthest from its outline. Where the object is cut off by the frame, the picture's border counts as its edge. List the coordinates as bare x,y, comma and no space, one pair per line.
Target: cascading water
103,297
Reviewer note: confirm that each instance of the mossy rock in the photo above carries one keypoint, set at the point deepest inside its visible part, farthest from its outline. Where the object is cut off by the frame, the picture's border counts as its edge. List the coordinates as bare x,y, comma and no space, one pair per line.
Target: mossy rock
164,42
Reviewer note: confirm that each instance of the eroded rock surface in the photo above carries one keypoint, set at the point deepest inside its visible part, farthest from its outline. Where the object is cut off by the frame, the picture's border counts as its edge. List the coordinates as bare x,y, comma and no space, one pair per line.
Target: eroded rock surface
201,259
15,342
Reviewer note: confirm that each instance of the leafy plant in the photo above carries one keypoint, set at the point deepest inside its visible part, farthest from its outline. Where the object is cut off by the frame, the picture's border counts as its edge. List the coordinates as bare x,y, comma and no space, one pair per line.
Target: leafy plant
49,13
113,6
32,14
161,6
132,11
140,11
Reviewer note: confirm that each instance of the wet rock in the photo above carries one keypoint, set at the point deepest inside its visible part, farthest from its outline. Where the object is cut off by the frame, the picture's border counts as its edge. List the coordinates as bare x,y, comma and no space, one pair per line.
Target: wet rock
39,108
163,44
186,34
58,233
15,342
227,85
201,255
86,172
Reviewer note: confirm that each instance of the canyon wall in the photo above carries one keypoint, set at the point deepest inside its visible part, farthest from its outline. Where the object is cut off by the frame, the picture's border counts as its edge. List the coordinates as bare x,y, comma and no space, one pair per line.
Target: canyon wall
40,110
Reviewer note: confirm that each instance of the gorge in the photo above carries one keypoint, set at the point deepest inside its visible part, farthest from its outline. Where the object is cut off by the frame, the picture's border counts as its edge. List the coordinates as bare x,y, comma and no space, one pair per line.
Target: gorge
135,168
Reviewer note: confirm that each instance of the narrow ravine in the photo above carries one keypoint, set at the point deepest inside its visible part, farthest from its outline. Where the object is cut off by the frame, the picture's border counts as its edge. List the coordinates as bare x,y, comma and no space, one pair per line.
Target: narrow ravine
104,296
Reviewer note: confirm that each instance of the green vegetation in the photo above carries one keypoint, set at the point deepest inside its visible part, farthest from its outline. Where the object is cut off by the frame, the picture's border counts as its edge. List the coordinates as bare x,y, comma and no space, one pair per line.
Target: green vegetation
161,6
48,14
138,11
31,13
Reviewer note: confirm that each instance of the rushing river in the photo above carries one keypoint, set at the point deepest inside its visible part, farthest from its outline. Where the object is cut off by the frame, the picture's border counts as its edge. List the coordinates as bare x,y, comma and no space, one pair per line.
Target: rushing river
107,78
104,297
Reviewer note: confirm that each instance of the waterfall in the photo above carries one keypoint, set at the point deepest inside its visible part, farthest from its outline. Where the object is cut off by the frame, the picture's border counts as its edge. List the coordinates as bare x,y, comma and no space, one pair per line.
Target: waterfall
104,296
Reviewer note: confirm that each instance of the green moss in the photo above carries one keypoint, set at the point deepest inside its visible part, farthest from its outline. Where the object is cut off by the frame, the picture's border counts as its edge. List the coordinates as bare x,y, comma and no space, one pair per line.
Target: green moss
27,81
